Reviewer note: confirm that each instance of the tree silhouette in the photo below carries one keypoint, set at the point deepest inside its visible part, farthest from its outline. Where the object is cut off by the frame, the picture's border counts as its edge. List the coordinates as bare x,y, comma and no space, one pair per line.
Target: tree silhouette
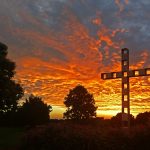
143,118
117,120
34,111
10,91
80,104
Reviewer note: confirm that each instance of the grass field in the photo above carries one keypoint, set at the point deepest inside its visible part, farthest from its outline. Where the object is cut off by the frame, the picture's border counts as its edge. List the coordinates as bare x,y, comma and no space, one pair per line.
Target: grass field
72,136
10,138
66,135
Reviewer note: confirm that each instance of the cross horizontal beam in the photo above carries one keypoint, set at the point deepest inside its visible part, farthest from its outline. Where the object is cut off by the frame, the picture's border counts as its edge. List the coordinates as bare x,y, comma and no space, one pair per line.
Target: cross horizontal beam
130,73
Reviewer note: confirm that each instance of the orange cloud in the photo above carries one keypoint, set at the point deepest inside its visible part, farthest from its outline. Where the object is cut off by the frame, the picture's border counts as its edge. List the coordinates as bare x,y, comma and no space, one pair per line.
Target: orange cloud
121,4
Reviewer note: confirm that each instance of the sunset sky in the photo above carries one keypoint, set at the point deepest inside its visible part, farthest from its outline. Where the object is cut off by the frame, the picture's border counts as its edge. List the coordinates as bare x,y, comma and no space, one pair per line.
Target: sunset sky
58,44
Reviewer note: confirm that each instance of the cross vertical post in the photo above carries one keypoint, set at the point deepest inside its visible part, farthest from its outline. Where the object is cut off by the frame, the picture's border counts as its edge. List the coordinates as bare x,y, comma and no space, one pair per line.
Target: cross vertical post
125,88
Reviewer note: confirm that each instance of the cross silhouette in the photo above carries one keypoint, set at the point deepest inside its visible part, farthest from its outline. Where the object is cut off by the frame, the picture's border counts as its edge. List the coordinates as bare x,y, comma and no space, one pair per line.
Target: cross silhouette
125,74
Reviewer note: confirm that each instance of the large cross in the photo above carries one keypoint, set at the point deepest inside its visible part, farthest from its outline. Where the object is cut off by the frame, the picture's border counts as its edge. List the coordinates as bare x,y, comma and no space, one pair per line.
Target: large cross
125,74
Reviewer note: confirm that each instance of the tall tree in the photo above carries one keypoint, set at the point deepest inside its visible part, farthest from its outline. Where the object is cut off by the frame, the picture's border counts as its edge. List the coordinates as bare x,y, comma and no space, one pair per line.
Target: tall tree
10,91
80,104
34,111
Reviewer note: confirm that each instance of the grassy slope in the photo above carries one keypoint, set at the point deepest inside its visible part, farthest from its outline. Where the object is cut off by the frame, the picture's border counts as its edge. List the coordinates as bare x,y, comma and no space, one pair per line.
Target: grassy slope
10,137
72,136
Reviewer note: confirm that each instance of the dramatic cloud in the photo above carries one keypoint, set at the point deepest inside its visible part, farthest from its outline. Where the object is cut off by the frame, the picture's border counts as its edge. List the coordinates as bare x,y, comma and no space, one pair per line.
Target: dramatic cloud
58,44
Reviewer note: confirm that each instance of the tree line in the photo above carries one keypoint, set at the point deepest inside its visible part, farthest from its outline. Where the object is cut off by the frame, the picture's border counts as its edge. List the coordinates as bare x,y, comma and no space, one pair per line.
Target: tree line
32,111
79,102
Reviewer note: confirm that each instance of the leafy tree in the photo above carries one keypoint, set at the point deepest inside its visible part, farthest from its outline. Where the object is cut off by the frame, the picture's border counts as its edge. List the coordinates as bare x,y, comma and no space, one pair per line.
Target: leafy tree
34,111
80,104
10,91
143,118
117,120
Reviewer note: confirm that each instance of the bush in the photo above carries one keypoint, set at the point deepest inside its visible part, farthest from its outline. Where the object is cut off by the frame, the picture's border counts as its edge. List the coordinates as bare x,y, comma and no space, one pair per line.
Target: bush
33,112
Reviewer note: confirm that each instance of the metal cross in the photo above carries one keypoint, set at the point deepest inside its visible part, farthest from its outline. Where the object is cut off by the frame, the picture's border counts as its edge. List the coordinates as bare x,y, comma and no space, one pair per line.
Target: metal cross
125,74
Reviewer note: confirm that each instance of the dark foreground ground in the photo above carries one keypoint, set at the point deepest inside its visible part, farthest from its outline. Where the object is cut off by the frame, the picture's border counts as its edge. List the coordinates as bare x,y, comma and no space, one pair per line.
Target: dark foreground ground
10,137
75,136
